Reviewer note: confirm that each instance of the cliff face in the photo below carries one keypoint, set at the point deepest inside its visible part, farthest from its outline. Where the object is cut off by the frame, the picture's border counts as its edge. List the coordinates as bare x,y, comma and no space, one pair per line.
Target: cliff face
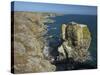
29,43
76,41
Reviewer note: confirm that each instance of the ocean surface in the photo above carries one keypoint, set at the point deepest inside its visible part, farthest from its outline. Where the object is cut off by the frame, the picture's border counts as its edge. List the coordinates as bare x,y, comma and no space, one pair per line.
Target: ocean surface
54,32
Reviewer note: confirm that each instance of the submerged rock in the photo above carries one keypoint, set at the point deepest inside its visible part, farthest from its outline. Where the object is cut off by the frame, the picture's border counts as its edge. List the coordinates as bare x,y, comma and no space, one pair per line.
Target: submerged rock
76,41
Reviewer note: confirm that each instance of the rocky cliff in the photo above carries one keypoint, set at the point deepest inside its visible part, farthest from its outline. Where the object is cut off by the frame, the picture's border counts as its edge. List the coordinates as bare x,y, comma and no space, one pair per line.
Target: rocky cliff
76,41
29,42
31,51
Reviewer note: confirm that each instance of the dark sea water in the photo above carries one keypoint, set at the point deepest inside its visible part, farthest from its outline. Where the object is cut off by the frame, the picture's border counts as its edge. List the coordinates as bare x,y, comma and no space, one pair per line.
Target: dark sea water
54,31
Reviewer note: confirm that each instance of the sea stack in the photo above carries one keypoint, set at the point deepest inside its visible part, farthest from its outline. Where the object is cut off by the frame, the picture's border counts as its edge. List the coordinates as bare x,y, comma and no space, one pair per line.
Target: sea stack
76,41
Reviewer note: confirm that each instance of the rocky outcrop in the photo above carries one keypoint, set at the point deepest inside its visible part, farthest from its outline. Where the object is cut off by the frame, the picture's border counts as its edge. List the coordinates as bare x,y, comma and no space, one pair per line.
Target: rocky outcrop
76,41
29,43
32,52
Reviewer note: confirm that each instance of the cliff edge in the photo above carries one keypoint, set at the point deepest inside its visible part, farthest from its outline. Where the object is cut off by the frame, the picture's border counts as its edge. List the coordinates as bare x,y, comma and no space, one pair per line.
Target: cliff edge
29,43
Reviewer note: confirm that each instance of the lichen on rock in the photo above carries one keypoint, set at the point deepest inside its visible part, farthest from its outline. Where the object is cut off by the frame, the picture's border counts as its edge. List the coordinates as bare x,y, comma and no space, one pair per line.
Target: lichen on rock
76,41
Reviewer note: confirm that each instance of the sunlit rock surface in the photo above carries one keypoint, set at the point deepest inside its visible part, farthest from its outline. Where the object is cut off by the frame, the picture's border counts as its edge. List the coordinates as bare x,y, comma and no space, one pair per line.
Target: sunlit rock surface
29,43
76,41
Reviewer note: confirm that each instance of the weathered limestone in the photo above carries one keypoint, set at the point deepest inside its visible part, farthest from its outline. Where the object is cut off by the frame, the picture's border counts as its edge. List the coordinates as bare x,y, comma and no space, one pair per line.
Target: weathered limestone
29,43
76,41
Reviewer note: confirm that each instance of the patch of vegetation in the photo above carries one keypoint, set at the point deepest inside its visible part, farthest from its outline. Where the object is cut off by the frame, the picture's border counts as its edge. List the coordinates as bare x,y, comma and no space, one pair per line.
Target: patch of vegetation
86,33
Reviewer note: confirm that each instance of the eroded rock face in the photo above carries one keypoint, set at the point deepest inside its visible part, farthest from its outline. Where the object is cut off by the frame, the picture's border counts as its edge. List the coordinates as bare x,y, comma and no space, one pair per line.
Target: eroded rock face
76,41
29,43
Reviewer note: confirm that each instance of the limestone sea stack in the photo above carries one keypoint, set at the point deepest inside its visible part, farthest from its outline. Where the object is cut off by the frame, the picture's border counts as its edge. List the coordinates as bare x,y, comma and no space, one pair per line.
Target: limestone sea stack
76,41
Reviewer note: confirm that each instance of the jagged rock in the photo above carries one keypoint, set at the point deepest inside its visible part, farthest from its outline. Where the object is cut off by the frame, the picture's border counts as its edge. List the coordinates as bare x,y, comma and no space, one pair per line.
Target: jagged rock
29,43
76,41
